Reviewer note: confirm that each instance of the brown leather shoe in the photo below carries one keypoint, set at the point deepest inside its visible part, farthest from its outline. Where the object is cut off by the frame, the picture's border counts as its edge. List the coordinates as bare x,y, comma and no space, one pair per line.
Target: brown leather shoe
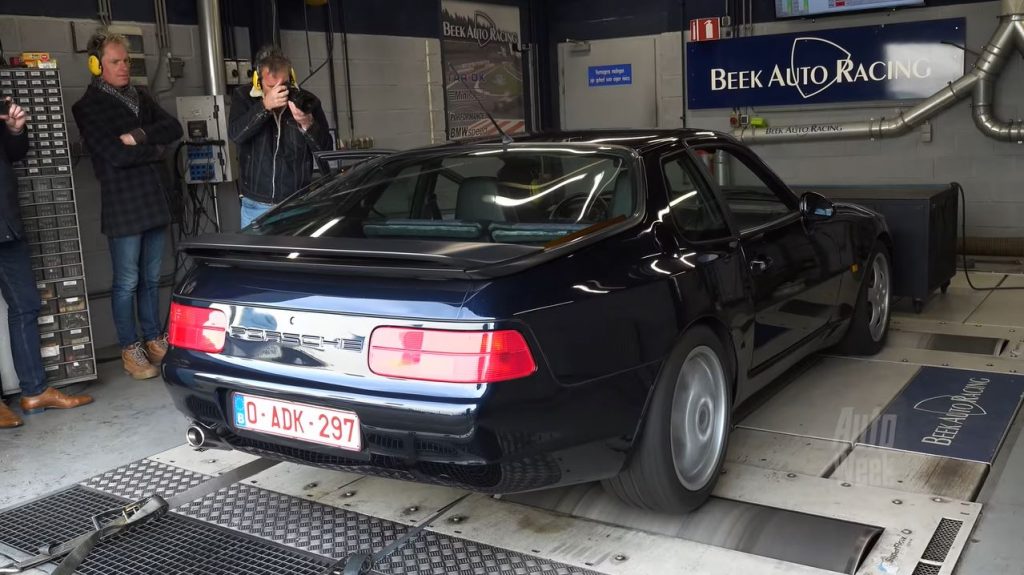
52,399
9,419
136,364
156,349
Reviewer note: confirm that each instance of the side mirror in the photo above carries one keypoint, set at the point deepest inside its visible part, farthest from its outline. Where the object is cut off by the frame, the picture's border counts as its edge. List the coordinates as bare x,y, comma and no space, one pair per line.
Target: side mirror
815,207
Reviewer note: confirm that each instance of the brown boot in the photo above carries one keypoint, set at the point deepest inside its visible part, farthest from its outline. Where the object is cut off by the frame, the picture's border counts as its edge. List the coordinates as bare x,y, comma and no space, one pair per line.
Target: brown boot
52,399
136,364
8,418
156,349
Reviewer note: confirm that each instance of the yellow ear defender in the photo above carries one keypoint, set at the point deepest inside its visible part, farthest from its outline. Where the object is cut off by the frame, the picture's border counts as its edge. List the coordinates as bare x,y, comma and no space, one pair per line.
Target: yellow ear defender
95,67
257,85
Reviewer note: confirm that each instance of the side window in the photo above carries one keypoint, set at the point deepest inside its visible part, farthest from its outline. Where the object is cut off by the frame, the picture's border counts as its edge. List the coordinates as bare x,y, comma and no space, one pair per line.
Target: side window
694,208
446,194
395,201
752,201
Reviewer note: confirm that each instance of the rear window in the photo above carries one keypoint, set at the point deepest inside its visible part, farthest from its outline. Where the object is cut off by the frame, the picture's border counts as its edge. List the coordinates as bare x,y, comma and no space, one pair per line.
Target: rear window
523,195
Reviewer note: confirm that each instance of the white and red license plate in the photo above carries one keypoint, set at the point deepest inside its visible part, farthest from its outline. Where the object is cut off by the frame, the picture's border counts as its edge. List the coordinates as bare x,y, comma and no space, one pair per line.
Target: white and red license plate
332,427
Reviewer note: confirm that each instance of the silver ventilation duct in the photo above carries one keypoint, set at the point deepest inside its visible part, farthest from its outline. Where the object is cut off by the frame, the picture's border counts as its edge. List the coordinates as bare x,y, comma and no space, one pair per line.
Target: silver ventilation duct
211,47
979,84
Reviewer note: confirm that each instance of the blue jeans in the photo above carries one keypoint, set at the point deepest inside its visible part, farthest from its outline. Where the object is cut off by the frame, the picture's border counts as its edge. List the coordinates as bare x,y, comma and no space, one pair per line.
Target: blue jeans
251,209
136,262
19,290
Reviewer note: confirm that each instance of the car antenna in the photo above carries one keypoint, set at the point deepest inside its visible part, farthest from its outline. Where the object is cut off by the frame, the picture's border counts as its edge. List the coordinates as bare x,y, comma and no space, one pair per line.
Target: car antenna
505,138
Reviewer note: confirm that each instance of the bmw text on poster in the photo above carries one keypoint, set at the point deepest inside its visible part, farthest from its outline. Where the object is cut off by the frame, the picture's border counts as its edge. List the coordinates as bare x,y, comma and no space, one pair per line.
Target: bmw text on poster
870,63
480,42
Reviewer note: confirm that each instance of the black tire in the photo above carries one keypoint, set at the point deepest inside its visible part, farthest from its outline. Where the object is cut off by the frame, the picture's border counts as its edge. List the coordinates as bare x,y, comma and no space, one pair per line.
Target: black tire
859,339
650,480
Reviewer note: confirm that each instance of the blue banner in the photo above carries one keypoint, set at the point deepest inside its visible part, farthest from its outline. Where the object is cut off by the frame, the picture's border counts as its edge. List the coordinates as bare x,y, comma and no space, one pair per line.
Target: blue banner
890,62
615,75
949,413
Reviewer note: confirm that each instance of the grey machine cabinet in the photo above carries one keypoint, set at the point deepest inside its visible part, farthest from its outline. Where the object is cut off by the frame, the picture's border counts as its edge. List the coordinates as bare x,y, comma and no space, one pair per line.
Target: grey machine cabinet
923,223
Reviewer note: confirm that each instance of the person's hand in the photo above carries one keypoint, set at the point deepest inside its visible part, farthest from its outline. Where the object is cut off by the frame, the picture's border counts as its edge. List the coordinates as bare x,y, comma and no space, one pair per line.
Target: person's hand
15,118
303,120
128,139
275,97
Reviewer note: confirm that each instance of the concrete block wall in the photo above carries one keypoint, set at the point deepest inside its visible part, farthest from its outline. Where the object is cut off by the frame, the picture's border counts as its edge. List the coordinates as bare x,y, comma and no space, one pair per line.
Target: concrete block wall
396,89
991,172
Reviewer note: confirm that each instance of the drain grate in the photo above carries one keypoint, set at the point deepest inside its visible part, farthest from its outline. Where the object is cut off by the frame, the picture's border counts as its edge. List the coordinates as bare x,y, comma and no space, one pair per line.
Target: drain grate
927,569
53,519
171,544
144,478
942,540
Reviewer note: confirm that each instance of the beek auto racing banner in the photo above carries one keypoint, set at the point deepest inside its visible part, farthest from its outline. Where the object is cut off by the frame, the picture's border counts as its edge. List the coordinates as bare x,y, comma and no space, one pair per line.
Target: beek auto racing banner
480,41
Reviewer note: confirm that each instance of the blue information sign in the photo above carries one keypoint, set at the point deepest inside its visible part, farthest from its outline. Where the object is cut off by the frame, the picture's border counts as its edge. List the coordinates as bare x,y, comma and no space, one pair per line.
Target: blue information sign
615,75
950,413
890,62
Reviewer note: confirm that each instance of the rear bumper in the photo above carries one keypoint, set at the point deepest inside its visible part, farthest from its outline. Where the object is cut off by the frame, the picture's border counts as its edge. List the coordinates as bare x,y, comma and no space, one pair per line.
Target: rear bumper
452,444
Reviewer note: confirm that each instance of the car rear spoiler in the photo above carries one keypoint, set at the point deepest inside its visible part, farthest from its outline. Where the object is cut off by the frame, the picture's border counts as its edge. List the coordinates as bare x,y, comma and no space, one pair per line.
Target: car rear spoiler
361,256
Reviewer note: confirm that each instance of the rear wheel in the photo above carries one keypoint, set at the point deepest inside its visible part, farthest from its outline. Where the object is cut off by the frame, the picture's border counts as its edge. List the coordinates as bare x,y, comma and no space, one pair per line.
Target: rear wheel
682,447
869,325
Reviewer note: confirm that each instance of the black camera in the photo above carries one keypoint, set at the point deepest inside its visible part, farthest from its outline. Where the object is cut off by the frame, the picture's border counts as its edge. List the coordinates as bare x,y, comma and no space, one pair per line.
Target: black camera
302,99
5,105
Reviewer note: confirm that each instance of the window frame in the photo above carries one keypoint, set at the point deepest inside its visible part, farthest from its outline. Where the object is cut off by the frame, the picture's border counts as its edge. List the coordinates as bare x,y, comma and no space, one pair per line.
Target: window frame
759,169
689,163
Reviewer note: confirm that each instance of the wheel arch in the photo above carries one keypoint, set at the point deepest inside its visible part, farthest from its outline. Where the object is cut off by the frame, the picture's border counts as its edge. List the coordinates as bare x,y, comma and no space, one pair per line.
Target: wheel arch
721,331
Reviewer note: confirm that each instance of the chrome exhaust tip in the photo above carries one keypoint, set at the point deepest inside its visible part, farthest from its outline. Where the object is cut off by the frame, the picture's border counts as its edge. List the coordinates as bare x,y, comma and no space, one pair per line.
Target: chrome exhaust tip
202,437
195,436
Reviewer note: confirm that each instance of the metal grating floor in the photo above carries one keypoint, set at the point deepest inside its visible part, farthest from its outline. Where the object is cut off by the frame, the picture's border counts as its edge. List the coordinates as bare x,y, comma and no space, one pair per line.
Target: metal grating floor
171,544
314,527
144,478
435,554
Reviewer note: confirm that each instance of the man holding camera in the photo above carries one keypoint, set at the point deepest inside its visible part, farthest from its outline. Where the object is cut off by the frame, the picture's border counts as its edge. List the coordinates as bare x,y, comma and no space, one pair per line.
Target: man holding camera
277,127
16,281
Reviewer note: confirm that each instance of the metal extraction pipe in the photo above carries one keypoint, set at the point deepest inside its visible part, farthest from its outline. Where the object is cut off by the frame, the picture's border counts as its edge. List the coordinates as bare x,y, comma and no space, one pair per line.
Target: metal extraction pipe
978,84
210,46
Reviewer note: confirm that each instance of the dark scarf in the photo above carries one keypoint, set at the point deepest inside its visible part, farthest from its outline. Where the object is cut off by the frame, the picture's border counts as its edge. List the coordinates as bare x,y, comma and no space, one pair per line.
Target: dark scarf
128,95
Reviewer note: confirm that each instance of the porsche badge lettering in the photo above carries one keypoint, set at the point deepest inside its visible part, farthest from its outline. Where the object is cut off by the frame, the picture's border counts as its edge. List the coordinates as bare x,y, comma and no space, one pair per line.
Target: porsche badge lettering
295,339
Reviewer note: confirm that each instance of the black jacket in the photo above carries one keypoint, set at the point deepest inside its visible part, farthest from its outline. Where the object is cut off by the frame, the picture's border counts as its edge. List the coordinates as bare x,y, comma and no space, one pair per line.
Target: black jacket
14,149
133,180
271,170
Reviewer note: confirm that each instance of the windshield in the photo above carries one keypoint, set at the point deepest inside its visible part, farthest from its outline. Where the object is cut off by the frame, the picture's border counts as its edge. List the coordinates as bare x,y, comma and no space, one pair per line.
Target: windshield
525,194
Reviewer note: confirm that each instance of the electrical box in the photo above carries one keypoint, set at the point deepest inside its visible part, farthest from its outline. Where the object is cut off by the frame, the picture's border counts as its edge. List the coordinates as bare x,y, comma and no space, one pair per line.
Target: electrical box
207,157
236,72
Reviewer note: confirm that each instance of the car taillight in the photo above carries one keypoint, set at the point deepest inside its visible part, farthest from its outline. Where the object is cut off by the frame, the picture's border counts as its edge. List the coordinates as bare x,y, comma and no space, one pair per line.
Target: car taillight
450,356
198,328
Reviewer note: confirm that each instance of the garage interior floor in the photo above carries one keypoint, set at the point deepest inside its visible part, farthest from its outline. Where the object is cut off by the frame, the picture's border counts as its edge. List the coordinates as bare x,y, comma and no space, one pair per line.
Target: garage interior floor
800,494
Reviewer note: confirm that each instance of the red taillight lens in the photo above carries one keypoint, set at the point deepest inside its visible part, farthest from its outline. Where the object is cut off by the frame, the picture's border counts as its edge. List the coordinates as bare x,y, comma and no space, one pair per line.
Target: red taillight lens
198,328
450,356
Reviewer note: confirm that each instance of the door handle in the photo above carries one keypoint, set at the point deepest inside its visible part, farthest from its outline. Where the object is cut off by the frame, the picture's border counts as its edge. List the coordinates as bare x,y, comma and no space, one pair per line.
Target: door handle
760,264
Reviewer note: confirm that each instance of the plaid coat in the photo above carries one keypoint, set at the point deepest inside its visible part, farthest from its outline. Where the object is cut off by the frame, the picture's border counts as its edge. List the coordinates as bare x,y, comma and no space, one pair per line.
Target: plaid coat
133,183
14,149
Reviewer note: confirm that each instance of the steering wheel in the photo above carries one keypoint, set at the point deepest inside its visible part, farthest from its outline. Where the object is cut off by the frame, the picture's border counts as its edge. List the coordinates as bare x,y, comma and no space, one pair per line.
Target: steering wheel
570,207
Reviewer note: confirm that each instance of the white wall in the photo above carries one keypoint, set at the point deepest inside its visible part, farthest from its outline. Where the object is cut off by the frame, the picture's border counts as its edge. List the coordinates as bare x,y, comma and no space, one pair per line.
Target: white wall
396,91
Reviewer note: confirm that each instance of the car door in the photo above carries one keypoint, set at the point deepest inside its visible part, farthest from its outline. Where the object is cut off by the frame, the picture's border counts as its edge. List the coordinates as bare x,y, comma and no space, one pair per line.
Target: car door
793,295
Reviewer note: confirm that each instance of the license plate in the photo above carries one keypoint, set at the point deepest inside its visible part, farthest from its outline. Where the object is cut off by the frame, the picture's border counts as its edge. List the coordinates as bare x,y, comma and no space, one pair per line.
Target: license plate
310,423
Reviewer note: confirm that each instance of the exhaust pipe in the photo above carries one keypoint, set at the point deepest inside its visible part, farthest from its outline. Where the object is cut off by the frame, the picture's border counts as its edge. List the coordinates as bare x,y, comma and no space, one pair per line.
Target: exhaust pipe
201,437
977,85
